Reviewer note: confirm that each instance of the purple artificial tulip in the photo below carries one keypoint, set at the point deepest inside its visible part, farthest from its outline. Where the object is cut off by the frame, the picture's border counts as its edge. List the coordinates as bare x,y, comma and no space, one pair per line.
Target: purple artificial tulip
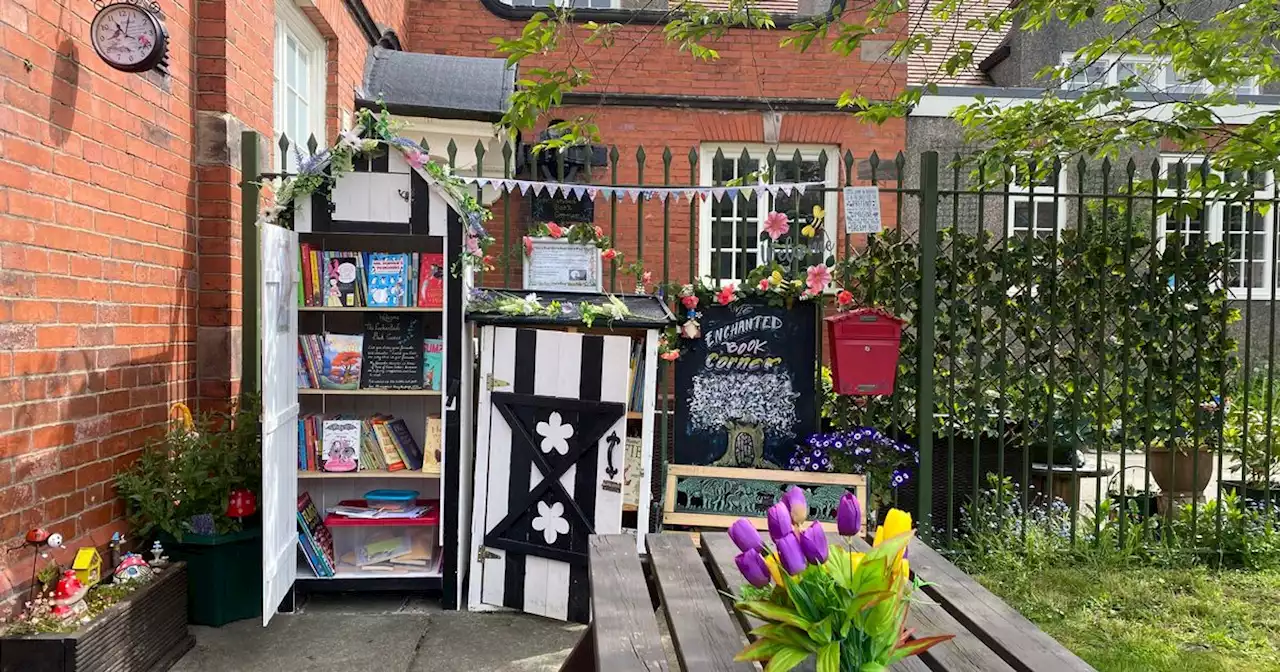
779,521
796,504
790,554
849,515
813,542
745,536
753,568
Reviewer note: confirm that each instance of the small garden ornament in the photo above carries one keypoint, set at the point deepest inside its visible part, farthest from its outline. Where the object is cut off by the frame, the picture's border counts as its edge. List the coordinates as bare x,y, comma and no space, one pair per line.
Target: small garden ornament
68,596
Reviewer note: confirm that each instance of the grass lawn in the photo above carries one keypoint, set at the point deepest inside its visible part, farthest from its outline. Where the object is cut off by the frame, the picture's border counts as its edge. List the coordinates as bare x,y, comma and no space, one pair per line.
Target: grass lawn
1140,619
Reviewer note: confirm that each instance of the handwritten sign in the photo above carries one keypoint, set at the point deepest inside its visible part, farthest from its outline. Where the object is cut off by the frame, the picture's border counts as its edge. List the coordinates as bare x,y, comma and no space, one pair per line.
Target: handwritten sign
745,390
564,210
862,210
392,357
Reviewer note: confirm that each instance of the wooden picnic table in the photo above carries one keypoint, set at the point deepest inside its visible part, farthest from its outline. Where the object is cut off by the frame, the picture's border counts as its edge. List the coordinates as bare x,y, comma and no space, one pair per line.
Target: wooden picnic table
706,632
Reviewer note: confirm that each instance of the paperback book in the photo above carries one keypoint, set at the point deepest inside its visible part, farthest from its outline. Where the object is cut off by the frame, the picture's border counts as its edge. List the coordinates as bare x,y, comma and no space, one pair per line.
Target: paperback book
432,363
340,368
388,278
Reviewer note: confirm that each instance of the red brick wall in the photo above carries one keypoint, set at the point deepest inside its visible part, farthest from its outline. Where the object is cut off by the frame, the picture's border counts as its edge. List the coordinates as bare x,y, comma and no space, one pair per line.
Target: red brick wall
120,243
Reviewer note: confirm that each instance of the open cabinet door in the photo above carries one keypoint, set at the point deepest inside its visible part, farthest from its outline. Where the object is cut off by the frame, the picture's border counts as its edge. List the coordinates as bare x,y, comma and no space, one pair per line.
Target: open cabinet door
278,325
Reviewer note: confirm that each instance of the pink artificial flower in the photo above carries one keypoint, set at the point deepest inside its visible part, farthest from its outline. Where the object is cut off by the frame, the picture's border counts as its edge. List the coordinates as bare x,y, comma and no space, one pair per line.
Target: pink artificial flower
609,254
646,277
473,245
776,225
764,284
528,246
690,302
415,157
487,261
555,229
819,278
670,355
599,232
844,298
726,294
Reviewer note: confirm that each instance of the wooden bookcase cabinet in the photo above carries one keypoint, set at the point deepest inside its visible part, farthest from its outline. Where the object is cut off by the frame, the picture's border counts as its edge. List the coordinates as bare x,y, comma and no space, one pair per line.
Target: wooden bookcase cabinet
383,206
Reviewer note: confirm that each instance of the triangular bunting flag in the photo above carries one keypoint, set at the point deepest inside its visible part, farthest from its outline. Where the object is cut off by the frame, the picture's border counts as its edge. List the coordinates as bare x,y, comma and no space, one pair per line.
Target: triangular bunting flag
578,192
592,191
524,187
690,193
800,189
718,193
633,194
787,189
662,194
540,189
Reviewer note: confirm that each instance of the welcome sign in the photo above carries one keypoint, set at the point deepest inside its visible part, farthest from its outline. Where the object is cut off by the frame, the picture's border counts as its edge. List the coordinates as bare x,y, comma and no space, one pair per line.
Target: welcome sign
745,390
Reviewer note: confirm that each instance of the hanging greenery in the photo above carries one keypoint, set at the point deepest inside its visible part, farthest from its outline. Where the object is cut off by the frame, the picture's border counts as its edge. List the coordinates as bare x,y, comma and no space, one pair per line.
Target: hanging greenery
320,171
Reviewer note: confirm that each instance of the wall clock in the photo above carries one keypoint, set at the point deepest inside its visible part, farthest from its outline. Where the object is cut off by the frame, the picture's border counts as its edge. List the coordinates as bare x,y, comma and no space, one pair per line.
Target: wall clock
129,36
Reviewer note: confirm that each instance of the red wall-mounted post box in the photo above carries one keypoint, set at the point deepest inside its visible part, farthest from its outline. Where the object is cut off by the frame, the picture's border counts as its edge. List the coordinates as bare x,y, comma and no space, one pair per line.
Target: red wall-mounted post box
864,351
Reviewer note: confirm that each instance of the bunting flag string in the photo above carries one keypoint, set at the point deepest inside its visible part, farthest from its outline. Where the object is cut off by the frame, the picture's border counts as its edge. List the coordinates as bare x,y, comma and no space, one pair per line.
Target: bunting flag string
634,194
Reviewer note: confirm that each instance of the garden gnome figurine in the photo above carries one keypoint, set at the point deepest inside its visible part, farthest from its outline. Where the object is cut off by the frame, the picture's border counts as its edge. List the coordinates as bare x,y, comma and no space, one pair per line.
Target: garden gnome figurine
68,596
116,542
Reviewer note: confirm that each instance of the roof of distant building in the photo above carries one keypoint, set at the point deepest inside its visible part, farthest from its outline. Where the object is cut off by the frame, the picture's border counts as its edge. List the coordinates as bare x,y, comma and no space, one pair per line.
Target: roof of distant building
926,67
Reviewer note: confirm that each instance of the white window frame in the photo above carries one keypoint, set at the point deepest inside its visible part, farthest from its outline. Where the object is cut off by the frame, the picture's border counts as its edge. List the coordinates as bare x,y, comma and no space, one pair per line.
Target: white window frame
1213,221
759,152
1160,77
1033,194
291,22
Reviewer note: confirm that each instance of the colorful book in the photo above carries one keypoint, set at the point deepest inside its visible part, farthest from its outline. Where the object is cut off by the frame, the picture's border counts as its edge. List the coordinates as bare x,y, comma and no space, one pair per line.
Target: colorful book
431,281
309,552
431,445
340,369
406,445
432,363
387,276
315,278
303,373
340,444
342,280
311,528
382,438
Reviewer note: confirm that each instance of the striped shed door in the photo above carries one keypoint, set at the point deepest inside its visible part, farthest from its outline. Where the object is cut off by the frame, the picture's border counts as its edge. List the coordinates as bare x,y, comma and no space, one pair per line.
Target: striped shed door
549,459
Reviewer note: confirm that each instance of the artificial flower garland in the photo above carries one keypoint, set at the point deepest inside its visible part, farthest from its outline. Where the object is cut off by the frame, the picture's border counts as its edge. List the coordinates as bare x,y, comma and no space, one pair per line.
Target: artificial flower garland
312,176
508,303
581,234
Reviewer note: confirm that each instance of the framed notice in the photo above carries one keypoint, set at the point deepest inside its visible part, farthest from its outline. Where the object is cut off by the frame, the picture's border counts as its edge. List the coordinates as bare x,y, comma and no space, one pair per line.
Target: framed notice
556,265
862,210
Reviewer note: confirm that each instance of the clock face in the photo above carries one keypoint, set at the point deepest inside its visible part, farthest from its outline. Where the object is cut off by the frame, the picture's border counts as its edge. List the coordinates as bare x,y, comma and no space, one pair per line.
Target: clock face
127,37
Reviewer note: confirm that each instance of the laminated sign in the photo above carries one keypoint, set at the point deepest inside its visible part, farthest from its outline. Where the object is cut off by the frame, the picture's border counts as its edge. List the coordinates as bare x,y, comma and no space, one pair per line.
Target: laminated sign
862,210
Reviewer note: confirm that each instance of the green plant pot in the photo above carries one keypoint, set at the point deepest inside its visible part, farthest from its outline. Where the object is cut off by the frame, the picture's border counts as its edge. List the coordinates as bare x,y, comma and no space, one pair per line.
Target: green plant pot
224,575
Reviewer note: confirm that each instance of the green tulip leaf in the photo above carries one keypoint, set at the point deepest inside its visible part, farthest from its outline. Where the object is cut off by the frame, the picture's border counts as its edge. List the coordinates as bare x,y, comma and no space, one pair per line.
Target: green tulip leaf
786,659
761,649
829,658
773,612
916,647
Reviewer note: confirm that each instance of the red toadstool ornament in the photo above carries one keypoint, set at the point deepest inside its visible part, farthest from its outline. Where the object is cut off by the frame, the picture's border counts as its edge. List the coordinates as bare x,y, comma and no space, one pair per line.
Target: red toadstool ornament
68,596
241,503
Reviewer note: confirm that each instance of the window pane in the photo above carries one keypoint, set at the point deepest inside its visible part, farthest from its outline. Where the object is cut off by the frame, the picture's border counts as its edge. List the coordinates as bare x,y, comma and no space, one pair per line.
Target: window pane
1046,218
747,206
722,234
1021,216
722,170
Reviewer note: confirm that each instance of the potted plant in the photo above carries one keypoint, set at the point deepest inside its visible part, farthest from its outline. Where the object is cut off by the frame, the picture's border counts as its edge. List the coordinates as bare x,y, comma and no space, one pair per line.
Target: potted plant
193,488
887,464
1257,453
1180,457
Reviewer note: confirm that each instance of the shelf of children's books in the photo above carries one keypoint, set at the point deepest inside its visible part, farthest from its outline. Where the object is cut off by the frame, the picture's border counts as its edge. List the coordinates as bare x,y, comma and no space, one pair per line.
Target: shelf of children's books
367,309
419,475
370,393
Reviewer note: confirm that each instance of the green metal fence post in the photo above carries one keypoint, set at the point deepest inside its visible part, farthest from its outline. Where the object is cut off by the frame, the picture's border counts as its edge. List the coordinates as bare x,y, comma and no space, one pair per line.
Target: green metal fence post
251,365
925,334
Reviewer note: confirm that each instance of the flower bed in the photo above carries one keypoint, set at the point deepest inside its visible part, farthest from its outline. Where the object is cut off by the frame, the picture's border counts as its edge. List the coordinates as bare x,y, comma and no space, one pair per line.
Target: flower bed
145,631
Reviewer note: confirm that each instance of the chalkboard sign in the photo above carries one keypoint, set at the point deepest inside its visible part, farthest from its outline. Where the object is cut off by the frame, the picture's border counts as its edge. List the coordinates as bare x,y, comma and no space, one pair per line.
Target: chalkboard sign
745,391
563,210
392,357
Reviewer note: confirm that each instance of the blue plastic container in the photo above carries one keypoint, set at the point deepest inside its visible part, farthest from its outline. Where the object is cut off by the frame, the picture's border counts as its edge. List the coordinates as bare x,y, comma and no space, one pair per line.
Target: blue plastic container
391,500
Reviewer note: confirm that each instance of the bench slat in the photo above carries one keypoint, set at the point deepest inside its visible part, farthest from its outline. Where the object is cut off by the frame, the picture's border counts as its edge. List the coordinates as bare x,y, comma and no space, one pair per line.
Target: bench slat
1000,626
720,550
706,637
624,628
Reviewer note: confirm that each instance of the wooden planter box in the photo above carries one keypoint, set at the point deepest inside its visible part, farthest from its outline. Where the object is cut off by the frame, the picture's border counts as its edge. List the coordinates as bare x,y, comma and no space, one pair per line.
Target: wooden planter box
145,632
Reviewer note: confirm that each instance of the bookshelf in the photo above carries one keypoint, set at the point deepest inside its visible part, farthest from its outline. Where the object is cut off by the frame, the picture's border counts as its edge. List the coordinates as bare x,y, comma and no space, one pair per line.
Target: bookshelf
403,215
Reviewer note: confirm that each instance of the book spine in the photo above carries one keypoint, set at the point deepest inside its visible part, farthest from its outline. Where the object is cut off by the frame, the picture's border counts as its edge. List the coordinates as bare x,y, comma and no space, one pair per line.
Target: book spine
389,452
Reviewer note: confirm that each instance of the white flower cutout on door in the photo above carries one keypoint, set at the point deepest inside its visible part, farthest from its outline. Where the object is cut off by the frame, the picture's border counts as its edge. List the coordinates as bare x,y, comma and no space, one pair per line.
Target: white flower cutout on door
550,521
555,434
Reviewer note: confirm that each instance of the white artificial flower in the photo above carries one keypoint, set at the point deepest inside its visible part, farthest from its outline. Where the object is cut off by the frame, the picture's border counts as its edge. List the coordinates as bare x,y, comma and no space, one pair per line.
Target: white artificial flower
550,521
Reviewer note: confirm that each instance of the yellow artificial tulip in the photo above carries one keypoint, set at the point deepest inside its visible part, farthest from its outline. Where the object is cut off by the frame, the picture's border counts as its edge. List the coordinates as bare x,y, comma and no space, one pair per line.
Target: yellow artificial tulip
855,559
902,568
897,522
771,561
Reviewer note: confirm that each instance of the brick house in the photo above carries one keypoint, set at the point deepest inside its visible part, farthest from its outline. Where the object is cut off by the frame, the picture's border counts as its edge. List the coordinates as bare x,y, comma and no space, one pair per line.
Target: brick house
120,218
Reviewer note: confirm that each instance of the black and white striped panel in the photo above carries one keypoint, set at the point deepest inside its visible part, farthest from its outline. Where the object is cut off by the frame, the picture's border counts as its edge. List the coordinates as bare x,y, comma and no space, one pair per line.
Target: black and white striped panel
559,407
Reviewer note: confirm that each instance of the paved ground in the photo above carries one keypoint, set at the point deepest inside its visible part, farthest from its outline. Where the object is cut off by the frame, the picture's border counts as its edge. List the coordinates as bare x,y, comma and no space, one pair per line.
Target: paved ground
382,633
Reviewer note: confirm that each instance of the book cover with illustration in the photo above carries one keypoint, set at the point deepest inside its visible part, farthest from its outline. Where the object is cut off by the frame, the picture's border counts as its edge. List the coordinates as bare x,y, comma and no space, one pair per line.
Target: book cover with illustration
341,285
340,444
407,445
431,281
388,277
432,363
432,445
312,530
340,369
